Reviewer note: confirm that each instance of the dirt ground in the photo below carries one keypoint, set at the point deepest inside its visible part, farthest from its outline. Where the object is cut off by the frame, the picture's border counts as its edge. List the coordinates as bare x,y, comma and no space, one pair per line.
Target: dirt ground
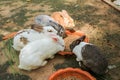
99,21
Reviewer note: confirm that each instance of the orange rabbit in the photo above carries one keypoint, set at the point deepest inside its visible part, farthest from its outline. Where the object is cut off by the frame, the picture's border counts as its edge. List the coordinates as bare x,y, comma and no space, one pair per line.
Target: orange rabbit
63,18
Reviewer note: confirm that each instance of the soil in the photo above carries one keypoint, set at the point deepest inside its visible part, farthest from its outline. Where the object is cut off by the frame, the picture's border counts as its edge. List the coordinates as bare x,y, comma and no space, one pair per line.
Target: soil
4,75
99,21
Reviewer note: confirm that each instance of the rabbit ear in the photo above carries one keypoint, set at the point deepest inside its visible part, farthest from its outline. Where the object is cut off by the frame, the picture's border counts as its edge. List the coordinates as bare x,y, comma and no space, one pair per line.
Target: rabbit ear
70,29
82,38
68,20
54,25
65,13
77,42
37,27
59,28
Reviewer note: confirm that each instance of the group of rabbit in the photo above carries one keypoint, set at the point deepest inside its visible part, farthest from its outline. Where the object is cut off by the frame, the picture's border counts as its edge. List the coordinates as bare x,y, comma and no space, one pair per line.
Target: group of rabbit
46,38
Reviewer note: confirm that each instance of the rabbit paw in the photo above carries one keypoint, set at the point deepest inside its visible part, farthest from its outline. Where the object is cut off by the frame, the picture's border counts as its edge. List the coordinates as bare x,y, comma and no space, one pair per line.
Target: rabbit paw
44,63
79,63
77,59
51,57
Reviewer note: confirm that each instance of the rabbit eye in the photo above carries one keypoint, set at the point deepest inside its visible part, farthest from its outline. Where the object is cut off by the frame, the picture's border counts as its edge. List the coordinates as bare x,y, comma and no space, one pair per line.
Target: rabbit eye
49,30
77,42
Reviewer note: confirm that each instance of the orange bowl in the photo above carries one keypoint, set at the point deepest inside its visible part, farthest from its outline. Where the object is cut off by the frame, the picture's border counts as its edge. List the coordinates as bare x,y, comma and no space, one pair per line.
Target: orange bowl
71,74
78,33
65,53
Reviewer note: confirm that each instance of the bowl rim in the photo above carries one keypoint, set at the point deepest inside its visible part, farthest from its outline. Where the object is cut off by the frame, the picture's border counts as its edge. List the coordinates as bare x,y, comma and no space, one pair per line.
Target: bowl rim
78,33
77,70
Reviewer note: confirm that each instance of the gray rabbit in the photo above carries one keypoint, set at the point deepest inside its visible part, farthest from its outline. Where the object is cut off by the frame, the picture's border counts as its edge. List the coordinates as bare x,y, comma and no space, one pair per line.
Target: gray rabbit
89,55
45,20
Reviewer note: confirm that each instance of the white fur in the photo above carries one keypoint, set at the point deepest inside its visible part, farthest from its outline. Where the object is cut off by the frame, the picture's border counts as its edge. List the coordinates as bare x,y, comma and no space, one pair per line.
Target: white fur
34,54
117,2
30,35
47,28
78,51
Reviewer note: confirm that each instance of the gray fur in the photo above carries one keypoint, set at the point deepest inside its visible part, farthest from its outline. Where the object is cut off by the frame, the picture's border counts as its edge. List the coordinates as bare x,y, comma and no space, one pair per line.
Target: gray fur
45,20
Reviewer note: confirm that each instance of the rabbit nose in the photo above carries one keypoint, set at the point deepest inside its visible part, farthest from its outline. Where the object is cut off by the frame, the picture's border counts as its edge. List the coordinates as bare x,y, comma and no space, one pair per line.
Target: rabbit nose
55,39
62,45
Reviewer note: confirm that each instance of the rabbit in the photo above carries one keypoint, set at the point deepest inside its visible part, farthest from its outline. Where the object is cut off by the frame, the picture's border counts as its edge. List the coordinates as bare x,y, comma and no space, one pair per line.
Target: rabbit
89,55
46,29
43,20
117,2
34,54
25,36
46,20
63,19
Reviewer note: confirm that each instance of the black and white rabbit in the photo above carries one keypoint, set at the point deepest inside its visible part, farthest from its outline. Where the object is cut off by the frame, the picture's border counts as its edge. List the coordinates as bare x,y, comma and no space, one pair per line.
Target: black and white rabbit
89,55
46,20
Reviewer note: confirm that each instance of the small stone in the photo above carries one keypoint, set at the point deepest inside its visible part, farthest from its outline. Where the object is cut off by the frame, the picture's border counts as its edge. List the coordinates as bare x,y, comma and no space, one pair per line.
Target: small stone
28,0
112,66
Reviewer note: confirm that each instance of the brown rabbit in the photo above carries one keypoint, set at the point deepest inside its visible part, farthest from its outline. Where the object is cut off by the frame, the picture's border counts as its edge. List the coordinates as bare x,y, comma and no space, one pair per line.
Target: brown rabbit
63,19
37,27
89,55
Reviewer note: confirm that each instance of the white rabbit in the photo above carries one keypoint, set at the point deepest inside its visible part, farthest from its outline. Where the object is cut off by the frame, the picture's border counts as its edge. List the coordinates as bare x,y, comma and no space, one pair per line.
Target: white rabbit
117,2
89,55
25,36
35,53
46,20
